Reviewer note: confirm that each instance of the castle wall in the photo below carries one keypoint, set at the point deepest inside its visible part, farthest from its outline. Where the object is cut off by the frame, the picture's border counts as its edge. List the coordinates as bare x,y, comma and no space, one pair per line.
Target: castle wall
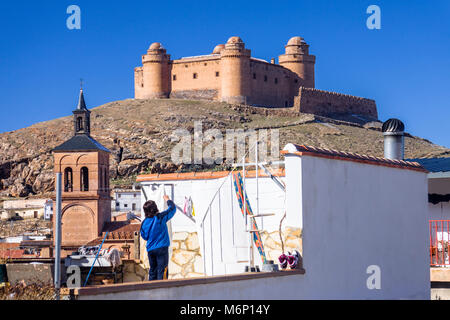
270,85
324,103
138,83
196,78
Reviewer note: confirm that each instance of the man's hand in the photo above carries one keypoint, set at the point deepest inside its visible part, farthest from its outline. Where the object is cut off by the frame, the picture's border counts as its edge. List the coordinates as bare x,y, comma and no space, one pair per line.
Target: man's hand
166,198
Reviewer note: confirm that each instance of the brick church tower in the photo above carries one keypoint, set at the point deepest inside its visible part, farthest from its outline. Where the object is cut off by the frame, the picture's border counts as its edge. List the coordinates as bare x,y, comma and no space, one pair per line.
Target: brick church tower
86,200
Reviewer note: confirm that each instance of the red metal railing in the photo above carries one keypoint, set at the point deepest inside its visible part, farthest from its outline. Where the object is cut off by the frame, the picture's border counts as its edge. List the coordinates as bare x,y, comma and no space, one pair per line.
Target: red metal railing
439,242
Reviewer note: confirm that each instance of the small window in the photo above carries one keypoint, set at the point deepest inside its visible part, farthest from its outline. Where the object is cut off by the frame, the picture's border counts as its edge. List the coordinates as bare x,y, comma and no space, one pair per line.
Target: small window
119,195
134,206
174,77
142,85
106,180
135,195
265,78
285,104
84,176
205,64
125,205
276,80
79,124
254,76
295,80
185,65
194,76
217,73
68,180
117,204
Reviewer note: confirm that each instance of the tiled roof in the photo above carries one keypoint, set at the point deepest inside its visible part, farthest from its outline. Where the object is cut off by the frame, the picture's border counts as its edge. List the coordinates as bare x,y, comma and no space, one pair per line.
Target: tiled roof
434,164
12,253
81,142
9,245
121,230
349,156
202,175
36,243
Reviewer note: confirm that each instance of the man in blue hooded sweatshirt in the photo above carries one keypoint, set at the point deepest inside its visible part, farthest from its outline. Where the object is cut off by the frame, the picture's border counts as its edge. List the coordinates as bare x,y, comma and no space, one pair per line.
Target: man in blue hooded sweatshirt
154,231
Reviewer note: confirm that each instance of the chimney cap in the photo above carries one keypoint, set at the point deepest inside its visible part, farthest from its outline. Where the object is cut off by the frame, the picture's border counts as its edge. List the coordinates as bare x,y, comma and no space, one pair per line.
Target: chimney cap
393,125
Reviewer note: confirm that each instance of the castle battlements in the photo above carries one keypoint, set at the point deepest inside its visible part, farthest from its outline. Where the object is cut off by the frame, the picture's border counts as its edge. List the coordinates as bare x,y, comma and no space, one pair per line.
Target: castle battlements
230,74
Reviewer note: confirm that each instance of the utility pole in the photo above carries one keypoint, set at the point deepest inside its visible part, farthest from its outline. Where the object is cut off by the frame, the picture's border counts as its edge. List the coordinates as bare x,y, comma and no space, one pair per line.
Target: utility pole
57,235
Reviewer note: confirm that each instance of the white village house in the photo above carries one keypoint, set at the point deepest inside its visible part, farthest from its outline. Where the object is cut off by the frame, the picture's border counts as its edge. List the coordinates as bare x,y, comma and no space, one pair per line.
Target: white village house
125,200
27,209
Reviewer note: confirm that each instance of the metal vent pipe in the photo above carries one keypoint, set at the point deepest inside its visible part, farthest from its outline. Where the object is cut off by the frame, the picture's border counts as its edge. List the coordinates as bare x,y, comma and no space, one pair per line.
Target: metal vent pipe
394,143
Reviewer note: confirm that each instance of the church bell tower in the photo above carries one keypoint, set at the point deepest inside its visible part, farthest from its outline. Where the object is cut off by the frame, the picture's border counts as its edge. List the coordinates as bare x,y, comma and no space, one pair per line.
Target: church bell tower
82,117
84,165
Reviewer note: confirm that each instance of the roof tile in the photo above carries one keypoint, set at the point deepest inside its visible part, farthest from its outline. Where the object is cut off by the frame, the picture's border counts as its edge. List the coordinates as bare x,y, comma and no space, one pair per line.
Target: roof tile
350,156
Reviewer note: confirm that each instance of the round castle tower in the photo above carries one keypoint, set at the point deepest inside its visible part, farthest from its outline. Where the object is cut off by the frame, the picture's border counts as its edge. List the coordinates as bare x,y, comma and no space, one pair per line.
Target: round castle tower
235,72
156,73
298,60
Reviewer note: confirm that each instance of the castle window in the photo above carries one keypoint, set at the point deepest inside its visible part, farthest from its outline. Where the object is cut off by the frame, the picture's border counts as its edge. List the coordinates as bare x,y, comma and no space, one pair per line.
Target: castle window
205,64
84,176
276,80
265,78
185,65
194,76
174,77
295,80
217,73
254,76
68,180
285,104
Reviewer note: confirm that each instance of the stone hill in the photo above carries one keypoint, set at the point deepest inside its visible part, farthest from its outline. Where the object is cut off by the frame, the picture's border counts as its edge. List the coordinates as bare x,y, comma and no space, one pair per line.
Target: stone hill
138,133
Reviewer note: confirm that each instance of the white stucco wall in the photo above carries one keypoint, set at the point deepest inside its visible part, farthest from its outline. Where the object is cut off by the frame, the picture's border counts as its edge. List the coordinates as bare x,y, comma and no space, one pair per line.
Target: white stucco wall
276,288
356,215
226,241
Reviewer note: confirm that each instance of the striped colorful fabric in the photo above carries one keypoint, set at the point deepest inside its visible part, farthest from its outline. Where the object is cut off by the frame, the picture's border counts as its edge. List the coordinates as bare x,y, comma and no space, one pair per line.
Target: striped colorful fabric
238,185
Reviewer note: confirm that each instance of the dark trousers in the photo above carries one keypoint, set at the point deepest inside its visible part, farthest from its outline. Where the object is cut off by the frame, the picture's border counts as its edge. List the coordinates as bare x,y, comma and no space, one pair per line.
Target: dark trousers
159,262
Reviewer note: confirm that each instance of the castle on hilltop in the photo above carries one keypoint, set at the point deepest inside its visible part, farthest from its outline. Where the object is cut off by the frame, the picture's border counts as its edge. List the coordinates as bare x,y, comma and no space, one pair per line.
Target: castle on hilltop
232,75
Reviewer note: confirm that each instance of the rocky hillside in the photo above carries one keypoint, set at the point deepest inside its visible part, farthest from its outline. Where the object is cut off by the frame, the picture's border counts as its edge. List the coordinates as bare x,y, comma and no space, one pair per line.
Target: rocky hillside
138,133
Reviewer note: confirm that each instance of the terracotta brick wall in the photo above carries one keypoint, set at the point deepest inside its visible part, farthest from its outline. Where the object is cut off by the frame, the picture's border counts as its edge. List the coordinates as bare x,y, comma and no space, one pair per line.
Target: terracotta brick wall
84,212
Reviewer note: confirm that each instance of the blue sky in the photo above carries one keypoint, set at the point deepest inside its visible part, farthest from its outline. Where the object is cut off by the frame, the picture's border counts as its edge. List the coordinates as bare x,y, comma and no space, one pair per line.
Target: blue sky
405,66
